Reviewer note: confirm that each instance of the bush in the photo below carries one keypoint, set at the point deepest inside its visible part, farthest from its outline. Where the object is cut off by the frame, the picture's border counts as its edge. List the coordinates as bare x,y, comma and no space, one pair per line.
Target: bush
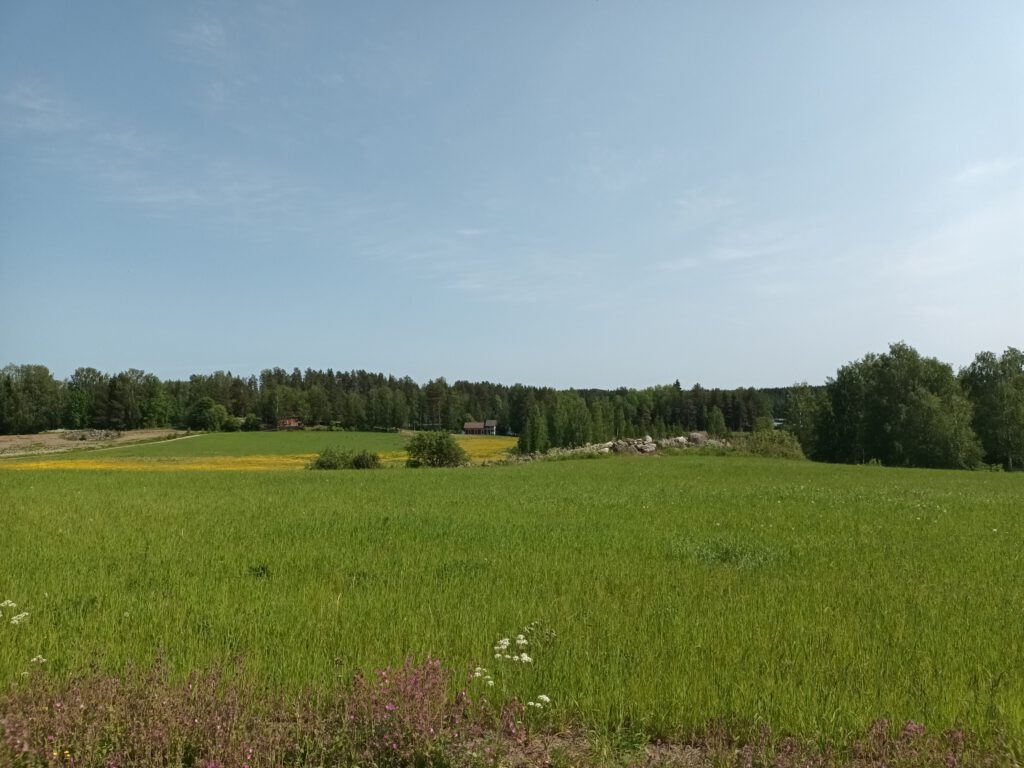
251,423
331,458
435,449
336,458
365,460
776,444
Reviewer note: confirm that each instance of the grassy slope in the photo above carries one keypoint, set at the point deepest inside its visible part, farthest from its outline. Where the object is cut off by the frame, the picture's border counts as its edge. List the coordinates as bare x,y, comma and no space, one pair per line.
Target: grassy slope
813,597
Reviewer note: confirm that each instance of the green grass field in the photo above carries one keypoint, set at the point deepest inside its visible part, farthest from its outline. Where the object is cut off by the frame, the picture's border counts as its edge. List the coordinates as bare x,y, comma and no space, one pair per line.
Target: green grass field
682,589
255,443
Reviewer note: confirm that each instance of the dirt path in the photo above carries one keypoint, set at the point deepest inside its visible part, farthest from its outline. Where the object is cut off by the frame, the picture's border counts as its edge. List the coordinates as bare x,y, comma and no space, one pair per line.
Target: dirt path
59,441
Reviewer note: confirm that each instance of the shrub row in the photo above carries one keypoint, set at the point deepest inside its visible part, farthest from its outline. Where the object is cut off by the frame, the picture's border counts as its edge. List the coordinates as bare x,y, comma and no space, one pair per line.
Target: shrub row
336,458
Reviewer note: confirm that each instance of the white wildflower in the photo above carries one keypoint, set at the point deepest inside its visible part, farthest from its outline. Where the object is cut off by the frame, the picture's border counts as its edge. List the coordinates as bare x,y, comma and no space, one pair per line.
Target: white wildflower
544,699
478,673
508,657
38,660
524,658
8,604
490,683
19,618
531,703
497,655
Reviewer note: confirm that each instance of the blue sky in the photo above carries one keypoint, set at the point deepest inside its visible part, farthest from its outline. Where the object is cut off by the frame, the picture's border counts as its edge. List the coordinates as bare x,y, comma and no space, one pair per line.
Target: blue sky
569,194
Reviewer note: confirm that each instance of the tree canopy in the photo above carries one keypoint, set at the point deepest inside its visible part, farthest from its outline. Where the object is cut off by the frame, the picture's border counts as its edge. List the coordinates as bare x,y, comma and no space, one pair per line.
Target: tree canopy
898,408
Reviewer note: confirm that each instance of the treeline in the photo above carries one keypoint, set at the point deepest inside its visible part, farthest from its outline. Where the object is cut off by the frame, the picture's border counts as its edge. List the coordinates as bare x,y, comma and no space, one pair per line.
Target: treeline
902,409
897,408
32,400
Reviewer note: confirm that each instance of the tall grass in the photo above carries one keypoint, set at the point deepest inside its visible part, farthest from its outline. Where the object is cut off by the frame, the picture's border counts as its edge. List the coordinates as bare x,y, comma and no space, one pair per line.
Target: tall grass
681,590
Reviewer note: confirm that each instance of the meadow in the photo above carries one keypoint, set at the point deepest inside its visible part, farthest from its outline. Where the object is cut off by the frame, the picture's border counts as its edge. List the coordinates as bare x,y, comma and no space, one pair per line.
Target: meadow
253,451
668,592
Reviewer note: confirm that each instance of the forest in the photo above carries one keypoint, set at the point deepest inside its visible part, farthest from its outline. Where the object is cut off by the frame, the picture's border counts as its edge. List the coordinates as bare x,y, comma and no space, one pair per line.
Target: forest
896,408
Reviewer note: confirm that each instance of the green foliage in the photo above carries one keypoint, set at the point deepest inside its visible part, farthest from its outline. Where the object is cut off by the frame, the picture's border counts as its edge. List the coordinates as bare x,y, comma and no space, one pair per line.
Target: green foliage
333,457
716,423
436,449
995,387
572,421
534,437
202,415
806,408
898,408
251,423
364,460
30,399
770,443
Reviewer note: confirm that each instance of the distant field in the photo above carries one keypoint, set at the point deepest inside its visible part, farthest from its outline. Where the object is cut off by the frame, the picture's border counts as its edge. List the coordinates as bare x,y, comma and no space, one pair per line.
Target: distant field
811,598
255,451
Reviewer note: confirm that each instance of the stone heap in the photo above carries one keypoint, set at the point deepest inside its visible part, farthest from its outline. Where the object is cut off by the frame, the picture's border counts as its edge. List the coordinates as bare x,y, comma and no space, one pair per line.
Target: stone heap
637,446
647,444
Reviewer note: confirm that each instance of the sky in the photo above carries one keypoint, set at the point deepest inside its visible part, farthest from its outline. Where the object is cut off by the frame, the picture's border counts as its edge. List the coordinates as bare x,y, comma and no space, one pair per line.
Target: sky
572,194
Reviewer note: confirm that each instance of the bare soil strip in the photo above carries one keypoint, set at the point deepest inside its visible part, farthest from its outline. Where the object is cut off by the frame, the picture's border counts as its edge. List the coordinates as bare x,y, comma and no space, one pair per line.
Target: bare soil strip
62,441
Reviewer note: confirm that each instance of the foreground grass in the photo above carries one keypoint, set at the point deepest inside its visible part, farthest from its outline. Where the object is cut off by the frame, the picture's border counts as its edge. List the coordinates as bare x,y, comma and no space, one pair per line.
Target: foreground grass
811,599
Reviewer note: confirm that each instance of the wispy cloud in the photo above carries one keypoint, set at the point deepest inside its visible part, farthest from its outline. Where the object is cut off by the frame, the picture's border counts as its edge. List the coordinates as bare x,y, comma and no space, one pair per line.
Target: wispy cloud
701,206
681,264
979,242
228,194
35,109
986,170
203,39
776,289
131,166
761,242
130,141
208,45
529,271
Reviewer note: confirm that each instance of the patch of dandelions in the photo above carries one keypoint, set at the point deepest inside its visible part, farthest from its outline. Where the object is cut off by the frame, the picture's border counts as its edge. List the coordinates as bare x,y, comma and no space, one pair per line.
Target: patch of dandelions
511,650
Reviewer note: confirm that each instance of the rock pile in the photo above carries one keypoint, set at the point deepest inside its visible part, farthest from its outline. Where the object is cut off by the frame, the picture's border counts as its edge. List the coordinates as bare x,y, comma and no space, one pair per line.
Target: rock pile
90,435
647,444
637,446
